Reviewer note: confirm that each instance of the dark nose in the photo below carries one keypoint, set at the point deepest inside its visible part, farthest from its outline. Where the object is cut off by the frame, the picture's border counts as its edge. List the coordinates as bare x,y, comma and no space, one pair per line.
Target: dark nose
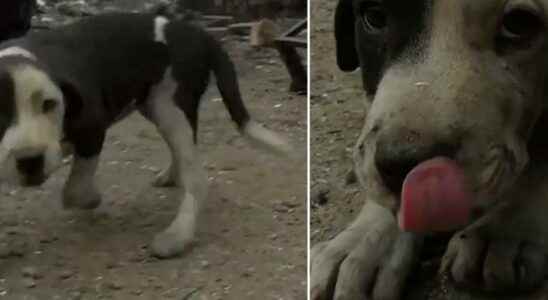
32,168
395,159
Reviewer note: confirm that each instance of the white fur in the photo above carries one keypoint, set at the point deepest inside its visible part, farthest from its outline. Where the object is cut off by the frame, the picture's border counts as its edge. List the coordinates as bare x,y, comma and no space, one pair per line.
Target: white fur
17,51
160,29
177,131
266,138
34,132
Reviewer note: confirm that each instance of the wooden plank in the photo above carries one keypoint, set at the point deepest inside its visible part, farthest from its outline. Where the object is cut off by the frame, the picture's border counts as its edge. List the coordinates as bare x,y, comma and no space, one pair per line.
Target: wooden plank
293,42
296,29
241,28
218,21
218,32
218,17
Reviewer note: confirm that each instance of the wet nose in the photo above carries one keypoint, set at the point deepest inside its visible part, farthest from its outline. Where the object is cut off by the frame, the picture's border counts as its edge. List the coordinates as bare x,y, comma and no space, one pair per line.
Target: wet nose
32,169
395,159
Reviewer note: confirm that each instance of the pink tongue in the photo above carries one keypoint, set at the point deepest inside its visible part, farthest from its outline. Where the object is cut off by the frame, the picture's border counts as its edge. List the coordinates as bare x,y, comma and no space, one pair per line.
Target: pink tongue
435,197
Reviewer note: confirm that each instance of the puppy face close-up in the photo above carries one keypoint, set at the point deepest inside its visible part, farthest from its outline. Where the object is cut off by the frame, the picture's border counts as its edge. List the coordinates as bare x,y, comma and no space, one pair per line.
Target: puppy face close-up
463,80
31,123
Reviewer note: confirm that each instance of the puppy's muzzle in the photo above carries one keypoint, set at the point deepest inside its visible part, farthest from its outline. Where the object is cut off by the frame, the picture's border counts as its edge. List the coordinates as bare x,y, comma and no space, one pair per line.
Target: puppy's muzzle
396,157
31,169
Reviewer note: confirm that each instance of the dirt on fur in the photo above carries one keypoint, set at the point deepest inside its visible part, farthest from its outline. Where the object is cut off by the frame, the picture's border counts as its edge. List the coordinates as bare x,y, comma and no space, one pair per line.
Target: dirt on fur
251,240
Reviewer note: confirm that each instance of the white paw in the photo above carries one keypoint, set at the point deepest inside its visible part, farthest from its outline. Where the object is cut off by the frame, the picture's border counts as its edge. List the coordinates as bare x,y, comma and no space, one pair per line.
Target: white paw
371,259
170,243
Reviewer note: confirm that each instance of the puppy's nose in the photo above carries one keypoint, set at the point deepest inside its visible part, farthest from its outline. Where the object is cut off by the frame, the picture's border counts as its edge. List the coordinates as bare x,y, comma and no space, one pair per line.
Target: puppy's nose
32,167
395,159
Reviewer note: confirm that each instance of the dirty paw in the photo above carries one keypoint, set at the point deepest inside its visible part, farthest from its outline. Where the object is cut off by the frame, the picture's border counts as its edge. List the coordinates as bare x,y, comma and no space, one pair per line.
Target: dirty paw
170,244
494,264
371,259
81,198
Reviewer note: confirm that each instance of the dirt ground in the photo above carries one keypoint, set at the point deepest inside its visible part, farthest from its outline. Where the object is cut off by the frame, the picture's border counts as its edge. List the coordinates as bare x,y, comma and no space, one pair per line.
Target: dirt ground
338,107
251,237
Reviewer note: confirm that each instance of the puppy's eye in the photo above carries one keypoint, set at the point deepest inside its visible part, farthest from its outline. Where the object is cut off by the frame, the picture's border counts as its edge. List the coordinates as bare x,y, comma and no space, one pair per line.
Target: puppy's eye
521,25
49,105
373,16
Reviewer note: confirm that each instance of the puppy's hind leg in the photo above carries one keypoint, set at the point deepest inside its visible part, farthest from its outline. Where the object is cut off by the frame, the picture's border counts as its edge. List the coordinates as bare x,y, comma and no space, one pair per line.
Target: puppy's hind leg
176,129
168,177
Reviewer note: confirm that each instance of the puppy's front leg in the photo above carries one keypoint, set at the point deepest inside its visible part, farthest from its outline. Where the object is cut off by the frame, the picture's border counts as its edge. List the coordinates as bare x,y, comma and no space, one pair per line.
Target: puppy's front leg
506,250
80,189
370,259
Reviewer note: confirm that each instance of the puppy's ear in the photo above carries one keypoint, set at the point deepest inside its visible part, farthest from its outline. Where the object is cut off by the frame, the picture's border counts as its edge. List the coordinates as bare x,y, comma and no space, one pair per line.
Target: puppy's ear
72,96
347,56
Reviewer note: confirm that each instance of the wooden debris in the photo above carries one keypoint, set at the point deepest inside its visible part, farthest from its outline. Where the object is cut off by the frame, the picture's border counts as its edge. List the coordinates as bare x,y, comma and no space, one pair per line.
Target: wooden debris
218,20
264,33
218,32
241,28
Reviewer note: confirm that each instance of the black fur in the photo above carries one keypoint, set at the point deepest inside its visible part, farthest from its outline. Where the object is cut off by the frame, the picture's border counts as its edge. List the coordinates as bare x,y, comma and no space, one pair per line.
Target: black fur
347,56
15,18
104,63
7,102
374,51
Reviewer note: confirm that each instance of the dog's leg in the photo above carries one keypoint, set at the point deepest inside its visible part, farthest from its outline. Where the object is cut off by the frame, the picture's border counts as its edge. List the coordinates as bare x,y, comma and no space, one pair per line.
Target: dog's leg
80,190
173,124
168,177
370,259
176,129
508,248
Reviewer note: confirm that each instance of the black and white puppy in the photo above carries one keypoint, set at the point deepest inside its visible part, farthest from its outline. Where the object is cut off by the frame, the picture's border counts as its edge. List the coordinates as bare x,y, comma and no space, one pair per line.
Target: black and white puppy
70,84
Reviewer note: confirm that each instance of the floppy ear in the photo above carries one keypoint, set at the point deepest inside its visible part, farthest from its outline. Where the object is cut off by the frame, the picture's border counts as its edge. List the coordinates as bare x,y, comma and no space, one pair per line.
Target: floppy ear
347,56
72,97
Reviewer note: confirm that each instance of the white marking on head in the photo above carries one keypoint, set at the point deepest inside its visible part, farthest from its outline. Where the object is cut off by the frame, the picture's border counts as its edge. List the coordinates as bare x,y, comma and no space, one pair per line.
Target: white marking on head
160,29
17,51
37,128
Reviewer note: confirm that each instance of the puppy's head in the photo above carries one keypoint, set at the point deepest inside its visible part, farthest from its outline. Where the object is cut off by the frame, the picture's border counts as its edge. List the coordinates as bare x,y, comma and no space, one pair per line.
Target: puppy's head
459,79
31,122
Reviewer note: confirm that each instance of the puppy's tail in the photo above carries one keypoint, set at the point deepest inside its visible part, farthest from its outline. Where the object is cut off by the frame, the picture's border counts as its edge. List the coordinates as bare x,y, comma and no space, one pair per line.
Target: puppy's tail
227,82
